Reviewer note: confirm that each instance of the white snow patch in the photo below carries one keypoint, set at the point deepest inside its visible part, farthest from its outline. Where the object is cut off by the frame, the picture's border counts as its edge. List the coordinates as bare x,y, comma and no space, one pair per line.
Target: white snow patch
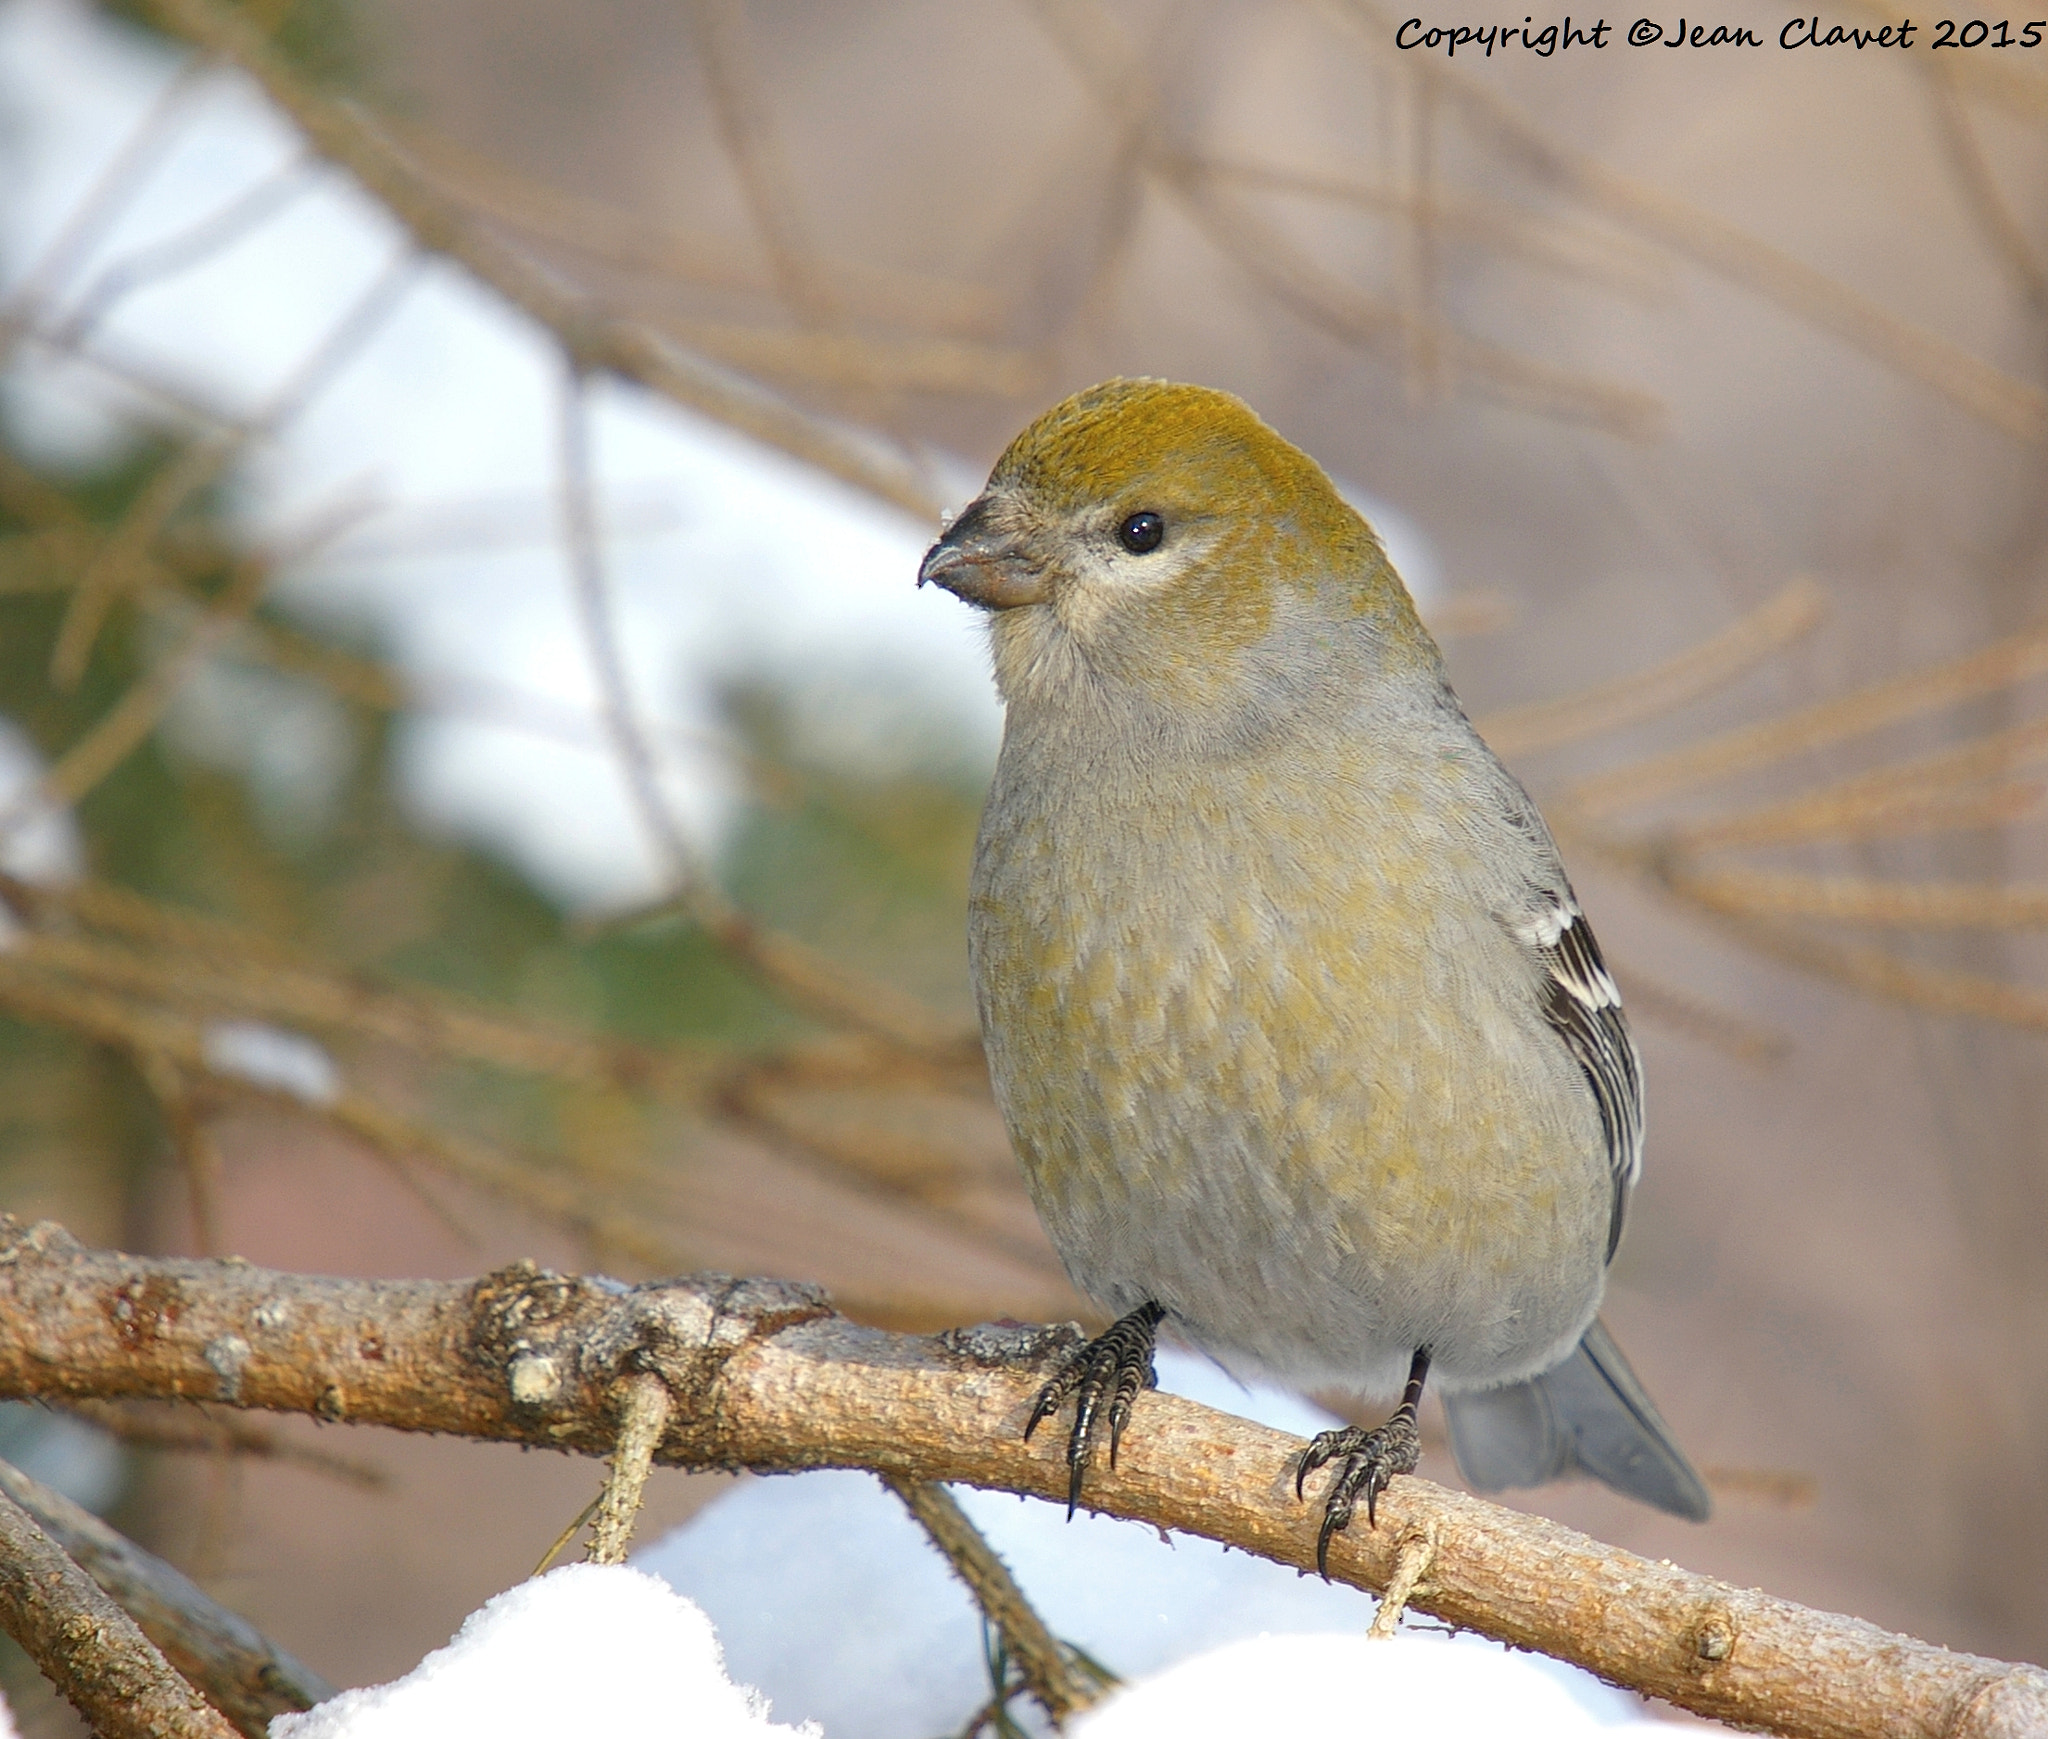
1352,1684
39,841
274,1058
587,1649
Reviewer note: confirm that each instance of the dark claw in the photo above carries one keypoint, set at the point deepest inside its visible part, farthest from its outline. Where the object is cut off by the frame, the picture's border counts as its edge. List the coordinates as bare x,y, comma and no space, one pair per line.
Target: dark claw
1335,1515
1081,1441
1313,1457
1050,1397
1370,1460
1117,1364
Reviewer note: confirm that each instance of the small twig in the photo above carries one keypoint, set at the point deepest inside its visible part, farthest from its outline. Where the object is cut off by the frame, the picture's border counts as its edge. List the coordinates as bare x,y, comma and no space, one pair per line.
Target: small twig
2008,238
1729,1033
198,1153
147,1425
2017,407
629,242
66,543
1517,231
120,559
1985,671
247,210
561,1541
137,156
1749,893
1425,377
1412,1560
607,1219
1836,814
88,1647
591,594
214,963
1664,687
1105,64
752,149
644,1407
819,985
348,137
358,324
2021,92
1874,972
1062,1688
141,1030
123,561
848,359
1780,1488
1943,777
123,727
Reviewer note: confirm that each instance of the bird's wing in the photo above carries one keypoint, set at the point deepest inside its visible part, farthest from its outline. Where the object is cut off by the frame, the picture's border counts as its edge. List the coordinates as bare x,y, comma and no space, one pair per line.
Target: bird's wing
1536,905
1583,1006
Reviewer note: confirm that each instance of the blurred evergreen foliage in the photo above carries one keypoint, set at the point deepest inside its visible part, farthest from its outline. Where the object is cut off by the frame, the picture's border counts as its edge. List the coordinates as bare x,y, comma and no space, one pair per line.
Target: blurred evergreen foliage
861,843
869,864
324,40
268,799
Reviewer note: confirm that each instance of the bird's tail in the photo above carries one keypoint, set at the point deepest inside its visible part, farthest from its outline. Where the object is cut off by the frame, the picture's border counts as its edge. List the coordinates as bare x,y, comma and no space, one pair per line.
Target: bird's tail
1591,1413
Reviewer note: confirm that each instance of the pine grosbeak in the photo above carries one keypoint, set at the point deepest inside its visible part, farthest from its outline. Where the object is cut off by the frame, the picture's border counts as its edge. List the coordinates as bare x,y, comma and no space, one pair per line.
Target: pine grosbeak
1296,1026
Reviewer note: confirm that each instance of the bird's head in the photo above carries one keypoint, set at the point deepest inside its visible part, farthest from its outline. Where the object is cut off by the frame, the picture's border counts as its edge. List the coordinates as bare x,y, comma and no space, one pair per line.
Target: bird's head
1158,547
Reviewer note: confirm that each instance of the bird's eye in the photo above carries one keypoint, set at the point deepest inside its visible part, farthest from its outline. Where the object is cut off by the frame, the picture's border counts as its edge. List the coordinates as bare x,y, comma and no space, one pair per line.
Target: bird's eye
1141,533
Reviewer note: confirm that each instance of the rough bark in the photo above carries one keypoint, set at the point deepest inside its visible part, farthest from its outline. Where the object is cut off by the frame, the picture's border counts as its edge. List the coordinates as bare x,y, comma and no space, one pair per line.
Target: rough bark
88,1647
240,1671
766,1376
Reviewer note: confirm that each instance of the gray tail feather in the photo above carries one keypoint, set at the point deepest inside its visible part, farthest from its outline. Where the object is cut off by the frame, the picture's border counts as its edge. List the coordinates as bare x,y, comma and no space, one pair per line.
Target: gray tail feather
1591,1413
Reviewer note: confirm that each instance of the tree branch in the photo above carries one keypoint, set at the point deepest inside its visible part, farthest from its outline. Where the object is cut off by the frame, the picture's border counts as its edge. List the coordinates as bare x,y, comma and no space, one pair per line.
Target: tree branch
244,1675
88,1647
765,1375
196,1431
1062,1688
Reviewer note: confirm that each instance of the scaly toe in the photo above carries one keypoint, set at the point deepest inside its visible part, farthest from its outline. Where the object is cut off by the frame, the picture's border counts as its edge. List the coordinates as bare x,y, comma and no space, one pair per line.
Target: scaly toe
1371,1459
1326,1446
1105,1376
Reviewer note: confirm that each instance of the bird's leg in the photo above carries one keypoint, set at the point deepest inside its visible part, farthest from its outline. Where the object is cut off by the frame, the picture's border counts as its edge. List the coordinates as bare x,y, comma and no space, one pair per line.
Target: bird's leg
1369,1460
1115,1365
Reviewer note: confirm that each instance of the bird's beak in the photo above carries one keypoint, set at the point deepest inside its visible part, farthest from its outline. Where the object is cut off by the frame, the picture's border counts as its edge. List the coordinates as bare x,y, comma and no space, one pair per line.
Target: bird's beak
984,565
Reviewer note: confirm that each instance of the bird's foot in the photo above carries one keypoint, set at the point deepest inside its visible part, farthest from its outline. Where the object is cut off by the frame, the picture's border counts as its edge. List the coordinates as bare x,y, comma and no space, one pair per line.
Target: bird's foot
1370,1459
1368,1462
1114,1366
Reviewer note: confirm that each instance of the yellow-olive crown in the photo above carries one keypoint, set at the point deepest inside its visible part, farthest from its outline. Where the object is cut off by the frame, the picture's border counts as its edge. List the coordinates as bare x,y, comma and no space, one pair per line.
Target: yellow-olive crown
1190,446
1170,541
1201,459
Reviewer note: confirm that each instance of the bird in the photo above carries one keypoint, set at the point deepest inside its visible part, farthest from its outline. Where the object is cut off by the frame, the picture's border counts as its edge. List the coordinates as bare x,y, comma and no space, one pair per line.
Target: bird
1297,1028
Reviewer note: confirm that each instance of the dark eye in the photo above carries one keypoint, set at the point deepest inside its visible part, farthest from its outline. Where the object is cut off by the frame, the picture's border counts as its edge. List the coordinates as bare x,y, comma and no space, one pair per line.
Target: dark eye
1141,533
